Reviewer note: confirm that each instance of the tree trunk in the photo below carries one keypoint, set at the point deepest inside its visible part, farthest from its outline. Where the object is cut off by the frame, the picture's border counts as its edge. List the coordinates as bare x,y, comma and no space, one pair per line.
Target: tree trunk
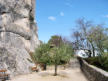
55,74
89,53
107,50
45,66
93,50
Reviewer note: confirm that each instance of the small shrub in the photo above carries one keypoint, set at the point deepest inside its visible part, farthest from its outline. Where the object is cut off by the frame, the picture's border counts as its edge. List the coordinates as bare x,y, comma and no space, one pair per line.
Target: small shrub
100,61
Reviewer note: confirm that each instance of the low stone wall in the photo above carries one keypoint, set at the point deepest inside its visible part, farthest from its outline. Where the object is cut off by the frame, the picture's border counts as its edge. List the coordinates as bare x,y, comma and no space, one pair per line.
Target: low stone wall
91,72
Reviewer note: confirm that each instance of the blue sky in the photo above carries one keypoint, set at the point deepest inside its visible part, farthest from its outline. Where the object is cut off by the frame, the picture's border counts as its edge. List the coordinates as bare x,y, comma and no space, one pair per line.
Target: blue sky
57,17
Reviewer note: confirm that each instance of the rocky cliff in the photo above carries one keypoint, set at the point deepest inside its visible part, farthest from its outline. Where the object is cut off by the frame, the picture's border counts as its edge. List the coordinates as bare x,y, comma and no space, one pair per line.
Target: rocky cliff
18,35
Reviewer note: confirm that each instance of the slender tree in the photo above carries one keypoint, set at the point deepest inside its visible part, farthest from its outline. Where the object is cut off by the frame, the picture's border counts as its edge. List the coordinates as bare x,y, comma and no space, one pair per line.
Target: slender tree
61,54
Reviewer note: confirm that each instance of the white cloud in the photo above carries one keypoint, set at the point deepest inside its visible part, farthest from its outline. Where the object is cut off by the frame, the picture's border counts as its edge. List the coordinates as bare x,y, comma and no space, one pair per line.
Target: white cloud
52,18
68,4
61,14
106,16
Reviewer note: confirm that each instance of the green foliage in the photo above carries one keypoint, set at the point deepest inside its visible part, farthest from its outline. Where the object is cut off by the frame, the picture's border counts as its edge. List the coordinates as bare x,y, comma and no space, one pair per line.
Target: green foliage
67,52
45,54
58,54
97,38
105,44
41,54
55,40
61,55
91,37
100,61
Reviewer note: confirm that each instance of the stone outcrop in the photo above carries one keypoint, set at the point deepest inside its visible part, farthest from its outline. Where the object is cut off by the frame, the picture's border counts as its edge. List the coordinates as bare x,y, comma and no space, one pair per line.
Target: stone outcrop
18,35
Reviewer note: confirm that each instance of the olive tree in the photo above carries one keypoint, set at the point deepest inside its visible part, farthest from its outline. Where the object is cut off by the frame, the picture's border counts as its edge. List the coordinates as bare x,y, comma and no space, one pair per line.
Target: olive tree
60,55
61,52
41,55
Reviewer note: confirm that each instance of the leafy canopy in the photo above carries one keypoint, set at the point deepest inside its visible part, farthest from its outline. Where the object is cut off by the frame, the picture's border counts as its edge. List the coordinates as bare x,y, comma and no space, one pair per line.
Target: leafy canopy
41,54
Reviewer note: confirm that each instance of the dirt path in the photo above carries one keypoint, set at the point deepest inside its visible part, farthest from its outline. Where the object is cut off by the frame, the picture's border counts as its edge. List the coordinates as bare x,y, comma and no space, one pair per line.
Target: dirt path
73,74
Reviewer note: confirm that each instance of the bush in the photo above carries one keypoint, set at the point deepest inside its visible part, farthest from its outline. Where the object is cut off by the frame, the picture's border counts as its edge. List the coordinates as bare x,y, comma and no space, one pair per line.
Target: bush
100,61
41,55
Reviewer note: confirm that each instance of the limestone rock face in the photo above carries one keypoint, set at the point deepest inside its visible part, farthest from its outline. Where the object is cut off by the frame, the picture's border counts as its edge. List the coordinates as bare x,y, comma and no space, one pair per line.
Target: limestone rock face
18,35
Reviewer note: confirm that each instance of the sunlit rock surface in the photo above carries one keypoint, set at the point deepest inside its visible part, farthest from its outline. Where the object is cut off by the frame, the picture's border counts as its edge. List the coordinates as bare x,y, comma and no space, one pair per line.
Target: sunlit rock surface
18,35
